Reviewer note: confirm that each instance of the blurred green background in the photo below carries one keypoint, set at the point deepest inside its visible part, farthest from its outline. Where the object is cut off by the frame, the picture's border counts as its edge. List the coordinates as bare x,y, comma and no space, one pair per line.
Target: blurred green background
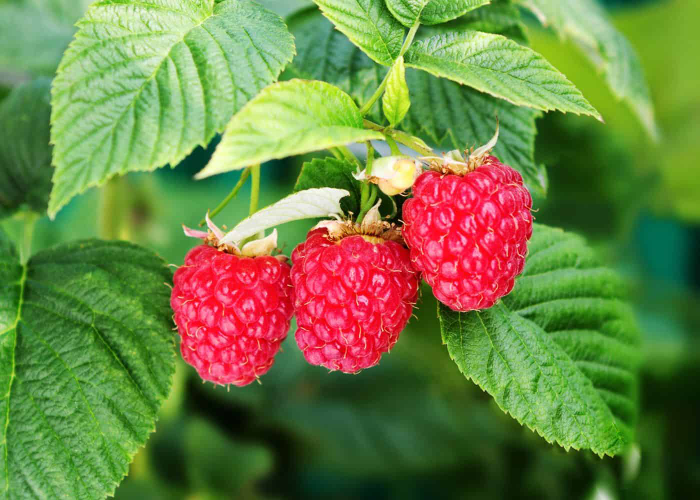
414,428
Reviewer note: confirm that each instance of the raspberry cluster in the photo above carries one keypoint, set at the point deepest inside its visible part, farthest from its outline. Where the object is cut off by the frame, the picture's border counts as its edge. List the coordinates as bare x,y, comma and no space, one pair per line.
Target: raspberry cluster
232,313
468,233
354,296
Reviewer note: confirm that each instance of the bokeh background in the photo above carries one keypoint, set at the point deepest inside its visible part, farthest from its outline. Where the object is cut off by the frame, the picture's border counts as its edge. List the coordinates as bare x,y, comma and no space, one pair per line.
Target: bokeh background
414,428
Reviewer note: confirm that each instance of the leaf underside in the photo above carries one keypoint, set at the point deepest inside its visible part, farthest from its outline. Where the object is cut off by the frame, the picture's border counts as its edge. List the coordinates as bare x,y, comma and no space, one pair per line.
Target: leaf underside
86,359
143,83
560,353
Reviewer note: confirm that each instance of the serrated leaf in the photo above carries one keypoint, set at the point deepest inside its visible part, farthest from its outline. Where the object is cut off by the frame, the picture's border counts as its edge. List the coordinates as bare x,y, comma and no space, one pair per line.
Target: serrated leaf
431,11
25,153
369,25
286,119
560,353
86,359
581,305
144,82
586,23
457,117
500,67
396,100
500,18
330,172
307,204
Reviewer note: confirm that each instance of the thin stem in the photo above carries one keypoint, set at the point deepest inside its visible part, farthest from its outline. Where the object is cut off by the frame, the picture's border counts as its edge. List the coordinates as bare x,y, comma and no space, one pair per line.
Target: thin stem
338,155
25,248
370,158
231,195
415,143
395,151
254,189
382,86
112,205
347,154
369,202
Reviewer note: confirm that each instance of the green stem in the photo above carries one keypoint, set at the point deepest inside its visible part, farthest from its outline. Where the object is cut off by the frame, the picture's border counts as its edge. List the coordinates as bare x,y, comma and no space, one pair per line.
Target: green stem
231,195
395,151
347,154
25,248
369,202
415,143
338,155
254,189
111,214
370,158
382,86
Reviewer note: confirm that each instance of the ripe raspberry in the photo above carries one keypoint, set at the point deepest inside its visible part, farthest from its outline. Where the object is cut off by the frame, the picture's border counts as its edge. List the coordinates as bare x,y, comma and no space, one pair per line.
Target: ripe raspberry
232,313
468,233
354,295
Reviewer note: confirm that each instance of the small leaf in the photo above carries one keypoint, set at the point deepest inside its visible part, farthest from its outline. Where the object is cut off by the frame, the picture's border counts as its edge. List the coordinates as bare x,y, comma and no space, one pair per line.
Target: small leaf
586,23
369,25
396,100
25,153
287,119
145,82
307,204
330,172
431,11
457,117
86,360
560,353
500,67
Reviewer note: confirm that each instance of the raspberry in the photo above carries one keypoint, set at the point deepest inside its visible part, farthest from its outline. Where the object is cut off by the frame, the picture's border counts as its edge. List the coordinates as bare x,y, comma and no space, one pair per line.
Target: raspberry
354,295
232,313
468,233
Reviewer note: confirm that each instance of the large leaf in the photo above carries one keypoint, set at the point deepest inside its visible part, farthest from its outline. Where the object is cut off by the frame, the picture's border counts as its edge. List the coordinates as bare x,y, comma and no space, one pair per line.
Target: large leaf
144,82
431,11
500,67
369,25
454,116
560,354
585,22
287,119
581,305
86,359
25,154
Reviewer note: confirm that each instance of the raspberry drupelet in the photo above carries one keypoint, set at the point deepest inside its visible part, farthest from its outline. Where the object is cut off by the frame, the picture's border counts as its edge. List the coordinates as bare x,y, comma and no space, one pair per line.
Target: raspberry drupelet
468,231
232,312
354,293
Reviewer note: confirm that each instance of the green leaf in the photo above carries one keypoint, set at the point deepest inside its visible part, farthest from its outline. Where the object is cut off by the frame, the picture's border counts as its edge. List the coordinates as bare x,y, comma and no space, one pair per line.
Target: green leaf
396,100
560,353
586,23
581,305
86,360
431,11
457,117
369,25
330,172
219,466
145,82
499,18
25,153
307,204
500,67
286,119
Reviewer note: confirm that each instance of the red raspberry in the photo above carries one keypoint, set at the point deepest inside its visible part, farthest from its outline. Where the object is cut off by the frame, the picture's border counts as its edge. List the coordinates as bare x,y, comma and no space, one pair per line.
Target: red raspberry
232,313
468,234
354,296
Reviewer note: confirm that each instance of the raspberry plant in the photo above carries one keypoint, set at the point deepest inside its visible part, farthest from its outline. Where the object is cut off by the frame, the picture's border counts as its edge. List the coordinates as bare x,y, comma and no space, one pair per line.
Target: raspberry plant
87,350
